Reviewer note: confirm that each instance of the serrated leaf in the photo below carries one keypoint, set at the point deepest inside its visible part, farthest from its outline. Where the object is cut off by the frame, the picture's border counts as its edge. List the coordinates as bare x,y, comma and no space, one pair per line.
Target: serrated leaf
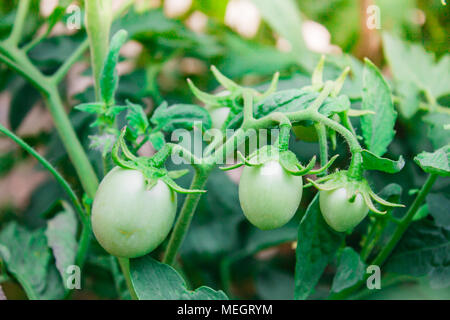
35,274
94,107
184,116
350,270
411,63
424,250
109,78
153,280
137,119
61,236
378,129
373,162
316,246
436,162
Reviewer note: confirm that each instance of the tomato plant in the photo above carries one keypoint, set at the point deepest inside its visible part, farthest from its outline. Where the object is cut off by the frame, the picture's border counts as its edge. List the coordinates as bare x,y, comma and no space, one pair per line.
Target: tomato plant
369,188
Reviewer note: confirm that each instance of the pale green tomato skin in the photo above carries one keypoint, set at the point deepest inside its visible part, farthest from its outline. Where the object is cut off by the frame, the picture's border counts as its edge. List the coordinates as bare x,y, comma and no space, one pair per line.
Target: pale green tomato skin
218,117
341,214
269,195
127,219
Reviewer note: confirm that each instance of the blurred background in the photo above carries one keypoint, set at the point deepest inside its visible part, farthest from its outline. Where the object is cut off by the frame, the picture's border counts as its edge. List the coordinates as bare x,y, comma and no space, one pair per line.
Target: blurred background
248,41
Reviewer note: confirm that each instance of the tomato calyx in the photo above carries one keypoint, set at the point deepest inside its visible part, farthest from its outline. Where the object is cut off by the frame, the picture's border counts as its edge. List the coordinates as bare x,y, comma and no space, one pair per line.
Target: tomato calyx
286,158
341,179
151,167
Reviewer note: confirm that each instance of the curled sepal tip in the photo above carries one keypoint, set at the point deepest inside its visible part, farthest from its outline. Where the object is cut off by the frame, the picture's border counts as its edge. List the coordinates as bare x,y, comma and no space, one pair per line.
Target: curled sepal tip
229,84
175,187
204,97
325,167
127,160
176,174
341,179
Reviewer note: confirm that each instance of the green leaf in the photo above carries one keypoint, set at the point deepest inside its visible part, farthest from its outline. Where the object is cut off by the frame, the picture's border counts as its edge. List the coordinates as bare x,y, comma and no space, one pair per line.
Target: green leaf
412,64
317,245
436,162
61,235
421,213
93,107
295,100
289,26
137,119
23,100
35,274
374,162
248,57
214,229
439,207
58,13
410,98
377,129
437,132
178,116
153,280
109,78
350,270
424,250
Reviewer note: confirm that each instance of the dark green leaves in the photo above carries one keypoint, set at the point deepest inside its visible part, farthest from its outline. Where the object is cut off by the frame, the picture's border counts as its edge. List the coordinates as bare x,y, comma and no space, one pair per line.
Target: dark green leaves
184,116
153,280
109,78
424,251
350,270
61,238
137,119
294,100
374,162
378,128
28,259
439,207
317,245
436,162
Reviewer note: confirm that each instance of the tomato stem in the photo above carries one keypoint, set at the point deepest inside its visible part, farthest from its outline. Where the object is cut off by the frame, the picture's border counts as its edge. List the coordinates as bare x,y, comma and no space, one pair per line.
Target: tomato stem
186,214
323,146
125,267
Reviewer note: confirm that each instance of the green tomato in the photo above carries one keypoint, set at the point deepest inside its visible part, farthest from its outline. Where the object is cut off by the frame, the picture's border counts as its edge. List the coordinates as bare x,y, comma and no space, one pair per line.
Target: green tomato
218,117
269,195
341,214
127,219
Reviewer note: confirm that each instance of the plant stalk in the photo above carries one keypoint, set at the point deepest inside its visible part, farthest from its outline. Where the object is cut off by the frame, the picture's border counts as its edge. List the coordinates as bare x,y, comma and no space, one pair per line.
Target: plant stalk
186,214
125,267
